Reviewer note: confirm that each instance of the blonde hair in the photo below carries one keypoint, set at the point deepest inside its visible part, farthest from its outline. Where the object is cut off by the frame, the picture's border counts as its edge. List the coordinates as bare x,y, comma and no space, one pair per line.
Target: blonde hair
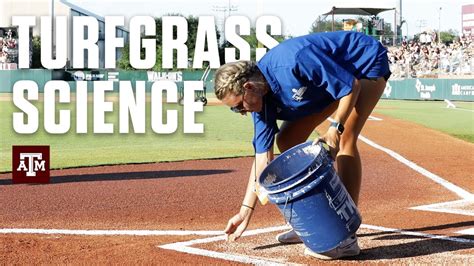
230,78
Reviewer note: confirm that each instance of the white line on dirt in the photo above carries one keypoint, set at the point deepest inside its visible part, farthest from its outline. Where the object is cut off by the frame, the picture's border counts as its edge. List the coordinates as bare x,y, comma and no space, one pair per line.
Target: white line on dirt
410,233
226,256
223,237
217,235
460,207
107,232
371,117
185,246
448,185
469,231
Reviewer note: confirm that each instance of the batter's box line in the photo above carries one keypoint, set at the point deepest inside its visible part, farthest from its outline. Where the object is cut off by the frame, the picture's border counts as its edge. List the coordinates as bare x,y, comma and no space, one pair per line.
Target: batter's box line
107,232
185,247
448,207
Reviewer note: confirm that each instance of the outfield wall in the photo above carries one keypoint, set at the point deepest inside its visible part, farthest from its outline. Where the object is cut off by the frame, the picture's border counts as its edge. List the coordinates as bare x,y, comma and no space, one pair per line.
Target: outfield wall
430,89
406,89
41,76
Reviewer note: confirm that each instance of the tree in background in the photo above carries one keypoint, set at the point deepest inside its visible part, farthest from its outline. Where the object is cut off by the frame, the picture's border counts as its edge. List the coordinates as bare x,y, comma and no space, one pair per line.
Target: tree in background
323,25
36,57
251,40
448,36
193,22
124,62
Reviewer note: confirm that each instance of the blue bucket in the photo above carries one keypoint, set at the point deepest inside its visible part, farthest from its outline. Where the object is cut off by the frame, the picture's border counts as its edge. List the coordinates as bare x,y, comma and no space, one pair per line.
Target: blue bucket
304,185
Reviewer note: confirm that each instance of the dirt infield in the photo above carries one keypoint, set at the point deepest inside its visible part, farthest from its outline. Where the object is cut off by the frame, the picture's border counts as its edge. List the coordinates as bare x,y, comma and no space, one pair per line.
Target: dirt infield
172,213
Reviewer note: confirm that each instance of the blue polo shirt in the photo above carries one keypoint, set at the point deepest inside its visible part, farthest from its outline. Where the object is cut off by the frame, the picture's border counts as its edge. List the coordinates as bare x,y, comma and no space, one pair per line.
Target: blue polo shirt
307,73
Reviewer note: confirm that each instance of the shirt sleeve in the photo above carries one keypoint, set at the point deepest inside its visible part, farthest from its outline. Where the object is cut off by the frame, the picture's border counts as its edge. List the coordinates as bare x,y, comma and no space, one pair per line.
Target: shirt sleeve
317,67
265,128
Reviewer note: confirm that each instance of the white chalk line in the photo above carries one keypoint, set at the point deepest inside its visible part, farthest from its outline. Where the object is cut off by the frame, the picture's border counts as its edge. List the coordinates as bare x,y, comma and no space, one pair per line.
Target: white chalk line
411,233
216,235
371,117
225,256
461,109
469,231
180,246
448,207
448,185
107,232
185,246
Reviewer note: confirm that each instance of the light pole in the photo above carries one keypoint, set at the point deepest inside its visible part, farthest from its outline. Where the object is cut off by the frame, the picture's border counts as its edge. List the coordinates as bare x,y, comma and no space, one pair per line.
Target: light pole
395,35
439,25
53,30
421,23
400,20
224,9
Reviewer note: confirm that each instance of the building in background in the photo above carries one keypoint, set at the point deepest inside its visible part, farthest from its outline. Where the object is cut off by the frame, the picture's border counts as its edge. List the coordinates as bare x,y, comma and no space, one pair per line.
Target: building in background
9,8
468,20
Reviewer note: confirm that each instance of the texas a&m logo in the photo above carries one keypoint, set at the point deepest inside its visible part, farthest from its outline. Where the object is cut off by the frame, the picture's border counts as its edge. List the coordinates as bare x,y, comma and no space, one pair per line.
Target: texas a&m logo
30,164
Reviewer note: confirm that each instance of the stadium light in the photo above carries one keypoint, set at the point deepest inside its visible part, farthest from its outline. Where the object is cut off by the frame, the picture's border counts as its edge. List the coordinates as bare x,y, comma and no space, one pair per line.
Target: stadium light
439,25
53,29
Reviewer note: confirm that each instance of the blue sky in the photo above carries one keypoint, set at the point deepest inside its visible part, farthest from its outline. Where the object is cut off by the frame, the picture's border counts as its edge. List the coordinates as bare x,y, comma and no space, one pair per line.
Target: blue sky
296,15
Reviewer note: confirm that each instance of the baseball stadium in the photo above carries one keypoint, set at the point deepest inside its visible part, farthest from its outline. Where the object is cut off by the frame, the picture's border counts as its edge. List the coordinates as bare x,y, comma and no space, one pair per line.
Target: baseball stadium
137,195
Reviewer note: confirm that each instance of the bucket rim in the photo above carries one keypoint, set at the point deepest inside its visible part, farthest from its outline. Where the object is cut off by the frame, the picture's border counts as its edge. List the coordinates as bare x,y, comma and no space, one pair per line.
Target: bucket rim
298,146
311,185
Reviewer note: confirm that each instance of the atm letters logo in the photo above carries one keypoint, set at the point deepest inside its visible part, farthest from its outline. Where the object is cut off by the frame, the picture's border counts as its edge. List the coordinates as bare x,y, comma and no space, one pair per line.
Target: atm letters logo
30,164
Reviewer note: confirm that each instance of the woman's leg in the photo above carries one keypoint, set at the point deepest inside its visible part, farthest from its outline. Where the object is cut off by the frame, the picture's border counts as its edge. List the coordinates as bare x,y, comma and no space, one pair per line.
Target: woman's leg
296,132
291,134
348,159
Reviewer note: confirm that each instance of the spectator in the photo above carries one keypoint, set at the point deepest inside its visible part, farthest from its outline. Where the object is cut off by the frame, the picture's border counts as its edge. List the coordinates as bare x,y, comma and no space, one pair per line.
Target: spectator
427,57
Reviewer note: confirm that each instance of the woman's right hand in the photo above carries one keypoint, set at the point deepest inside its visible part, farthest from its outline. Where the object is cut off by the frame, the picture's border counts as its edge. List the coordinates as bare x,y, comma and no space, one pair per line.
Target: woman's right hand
237,224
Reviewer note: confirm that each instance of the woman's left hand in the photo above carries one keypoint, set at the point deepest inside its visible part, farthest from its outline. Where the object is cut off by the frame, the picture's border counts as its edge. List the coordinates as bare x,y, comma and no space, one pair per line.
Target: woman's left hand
331,138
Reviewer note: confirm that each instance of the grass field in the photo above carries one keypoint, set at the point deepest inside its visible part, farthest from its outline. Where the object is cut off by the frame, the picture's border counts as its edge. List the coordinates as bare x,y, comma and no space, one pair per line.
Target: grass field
458,122
226,135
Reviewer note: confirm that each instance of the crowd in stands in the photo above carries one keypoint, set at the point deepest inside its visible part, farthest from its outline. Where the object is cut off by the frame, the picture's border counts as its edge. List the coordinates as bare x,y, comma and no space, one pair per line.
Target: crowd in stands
8,48
427,57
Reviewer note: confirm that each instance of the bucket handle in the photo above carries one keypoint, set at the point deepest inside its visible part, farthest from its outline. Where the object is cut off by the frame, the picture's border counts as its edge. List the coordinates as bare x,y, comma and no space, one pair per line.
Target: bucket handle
299,181
284,210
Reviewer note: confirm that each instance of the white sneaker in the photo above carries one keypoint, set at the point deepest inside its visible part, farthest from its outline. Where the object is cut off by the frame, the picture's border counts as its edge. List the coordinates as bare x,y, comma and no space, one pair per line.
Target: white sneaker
347,248
288,237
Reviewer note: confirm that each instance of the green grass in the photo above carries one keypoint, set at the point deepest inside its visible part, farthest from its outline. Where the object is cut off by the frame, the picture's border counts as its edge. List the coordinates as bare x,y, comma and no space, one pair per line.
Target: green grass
457,122
225,135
